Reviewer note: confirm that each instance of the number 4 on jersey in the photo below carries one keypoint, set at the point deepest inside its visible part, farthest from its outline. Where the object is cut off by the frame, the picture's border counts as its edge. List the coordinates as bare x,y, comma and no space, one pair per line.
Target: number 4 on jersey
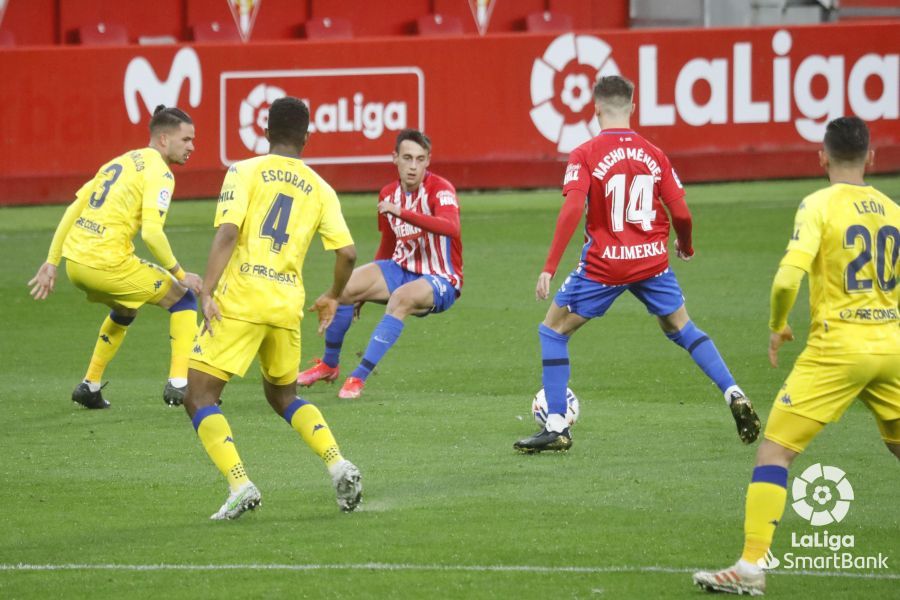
275,224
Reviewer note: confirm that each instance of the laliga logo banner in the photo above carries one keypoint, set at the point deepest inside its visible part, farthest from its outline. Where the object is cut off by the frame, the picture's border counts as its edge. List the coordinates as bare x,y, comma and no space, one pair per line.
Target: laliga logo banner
354,114
761,82
822,495
561,89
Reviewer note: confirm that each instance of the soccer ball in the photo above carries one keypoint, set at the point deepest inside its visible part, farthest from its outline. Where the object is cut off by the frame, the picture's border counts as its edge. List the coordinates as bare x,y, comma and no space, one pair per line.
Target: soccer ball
539,407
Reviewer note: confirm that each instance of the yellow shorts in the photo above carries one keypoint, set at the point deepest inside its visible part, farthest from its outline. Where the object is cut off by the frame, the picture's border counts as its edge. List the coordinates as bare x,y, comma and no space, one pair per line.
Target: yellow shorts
821,388
233,345
133,284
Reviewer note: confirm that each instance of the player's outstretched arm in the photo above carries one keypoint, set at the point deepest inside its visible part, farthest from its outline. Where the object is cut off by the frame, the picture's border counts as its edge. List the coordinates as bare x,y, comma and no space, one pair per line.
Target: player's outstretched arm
326,304
683,225
45,279
219,254
784,293
566,223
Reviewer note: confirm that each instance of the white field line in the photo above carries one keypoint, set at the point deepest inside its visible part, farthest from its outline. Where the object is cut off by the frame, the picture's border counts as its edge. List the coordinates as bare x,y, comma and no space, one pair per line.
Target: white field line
411,567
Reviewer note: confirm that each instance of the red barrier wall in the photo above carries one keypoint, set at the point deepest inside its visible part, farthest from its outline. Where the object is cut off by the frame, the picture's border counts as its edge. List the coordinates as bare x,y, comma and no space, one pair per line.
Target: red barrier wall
503,110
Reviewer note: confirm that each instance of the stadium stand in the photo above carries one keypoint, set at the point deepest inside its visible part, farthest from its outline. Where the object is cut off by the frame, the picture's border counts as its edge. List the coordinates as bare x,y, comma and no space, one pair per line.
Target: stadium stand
328,28
216,31
439,25
42,22
102,34
548,22
151,19
375,17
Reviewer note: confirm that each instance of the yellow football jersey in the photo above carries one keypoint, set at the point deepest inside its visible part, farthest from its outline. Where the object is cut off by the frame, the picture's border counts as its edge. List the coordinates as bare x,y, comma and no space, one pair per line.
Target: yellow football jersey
129,190
852,235
278,203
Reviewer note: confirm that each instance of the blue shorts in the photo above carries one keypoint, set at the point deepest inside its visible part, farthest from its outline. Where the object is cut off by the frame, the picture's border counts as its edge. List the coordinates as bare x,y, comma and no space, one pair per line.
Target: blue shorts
585,297
395,276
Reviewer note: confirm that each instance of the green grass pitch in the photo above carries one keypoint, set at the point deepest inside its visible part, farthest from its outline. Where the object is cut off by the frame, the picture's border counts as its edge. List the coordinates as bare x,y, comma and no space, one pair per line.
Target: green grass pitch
114,504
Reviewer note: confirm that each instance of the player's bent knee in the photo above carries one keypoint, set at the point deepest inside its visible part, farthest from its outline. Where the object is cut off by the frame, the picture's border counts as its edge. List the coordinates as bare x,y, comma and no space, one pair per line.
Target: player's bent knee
176,292
890,433
187,302
772,452
894,448
123,316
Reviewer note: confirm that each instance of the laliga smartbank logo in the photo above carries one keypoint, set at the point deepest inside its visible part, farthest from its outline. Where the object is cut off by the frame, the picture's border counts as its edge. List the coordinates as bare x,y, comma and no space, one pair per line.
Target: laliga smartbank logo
822,495
354,113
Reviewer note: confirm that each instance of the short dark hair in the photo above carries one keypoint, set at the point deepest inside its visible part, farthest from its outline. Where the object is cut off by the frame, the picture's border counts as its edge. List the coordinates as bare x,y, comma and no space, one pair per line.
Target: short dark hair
168,118
288,121
614,88
413,135
847,140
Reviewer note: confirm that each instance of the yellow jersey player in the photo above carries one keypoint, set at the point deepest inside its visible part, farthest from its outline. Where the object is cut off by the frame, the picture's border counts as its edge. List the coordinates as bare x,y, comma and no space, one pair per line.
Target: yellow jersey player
252,301
132,191
847,237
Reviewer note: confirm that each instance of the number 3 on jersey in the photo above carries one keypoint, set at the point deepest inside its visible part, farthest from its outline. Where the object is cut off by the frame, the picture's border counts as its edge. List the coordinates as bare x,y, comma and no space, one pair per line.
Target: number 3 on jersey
275,225
640,201
113,170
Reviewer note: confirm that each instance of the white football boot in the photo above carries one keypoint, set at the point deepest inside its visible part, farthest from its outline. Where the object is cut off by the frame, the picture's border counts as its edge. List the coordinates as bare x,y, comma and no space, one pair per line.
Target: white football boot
738,579
347,483
245,498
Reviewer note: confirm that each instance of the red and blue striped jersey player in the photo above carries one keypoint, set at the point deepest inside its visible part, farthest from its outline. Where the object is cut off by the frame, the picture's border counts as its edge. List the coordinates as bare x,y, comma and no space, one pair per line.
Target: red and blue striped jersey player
418,268
628,190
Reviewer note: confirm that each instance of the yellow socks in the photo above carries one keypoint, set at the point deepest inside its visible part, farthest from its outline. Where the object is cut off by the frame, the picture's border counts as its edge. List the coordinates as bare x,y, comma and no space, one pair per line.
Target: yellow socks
112,333
306,420
766,496
215,433
182,332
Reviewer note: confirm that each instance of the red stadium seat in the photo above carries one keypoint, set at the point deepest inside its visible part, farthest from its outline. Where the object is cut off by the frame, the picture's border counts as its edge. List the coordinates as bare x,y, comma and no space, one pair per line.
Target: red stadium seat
216,31
7,39
439,25
102,34
547,21
327,28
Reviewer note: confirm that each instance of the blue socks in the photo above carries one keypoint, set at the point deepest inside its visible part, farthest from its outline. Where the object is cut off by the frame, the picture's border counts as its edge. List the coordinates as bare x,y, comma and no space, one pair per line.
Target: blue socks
386,333
704,353
334,335
187,302
555,373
